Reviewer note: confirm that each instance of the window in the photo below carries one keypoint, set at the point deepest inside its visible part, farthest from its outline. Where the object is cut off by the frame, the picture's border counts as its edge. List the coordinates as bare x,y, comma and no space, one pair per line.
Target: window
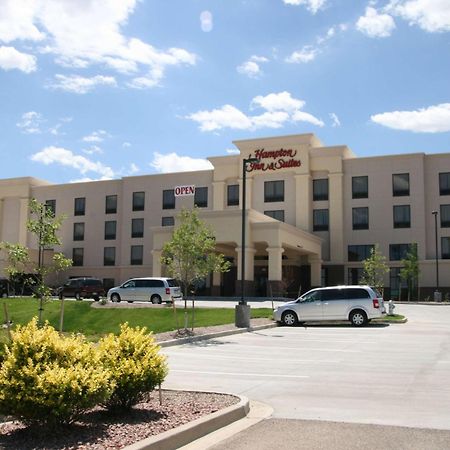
445,216
398,252
201,197
274,191
111,204
51,206
108,283
167,221
395,282
444,183
360,217
78,231
168,199
400,184
77,256
445,247
359,252
109,256
233,195
320,220
138,201
320,189
354,294
355,275
402,216
276,214
137,228
110,229
80,206
137,252
360,187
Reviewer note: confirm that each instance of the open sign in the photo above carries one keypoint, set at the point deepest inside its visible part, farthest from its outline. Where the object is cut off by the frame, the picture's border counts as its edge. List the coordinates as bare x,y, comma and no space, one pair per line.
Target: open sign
181,191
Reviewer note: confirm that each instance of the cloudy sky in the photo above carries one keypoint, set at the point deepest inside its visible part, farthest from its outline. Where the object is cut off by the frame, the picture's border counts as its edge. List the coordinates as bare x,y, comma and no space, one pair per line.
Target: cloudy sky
99,89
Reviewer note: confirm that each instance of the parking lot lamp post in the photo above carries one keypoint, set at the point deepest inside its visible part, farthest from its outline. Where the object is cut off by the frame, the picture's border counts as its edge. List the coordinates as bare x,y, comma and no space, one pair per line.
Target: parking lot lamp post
437,294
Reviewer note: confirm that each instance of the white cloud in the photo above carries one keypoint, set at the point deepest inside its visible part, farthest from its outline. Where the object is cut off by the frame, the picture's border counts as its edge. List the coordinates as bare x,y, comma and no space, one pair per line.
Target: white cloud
92,150
374,24
206,21
434,119
311,5
30,122
252,68
96,136
305,55
64,157
226,117
430,15
283,101
232,151
335,120
10,58
171,162
126,145
301,116
80,85
133,168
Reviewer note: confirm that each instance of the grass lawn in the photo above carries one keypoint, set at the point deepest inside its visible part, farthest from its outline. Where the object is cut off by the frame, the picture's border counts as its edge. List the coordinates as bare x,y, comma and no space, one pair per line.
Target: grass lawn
79,317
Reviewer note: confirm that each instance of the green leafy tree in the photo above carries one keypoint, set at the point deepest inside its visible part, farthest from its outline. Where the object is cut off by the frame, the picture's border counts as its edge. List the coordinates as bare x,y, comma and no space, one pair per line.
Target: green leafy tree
43,224
410,271
375,268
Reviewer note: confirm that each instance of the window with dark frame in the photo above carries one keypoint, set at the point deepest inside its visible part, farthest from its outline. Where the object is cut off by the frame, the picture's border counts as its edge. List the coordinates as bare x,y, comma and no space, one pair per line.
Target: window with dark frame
138,201
320,189
394,281
109,256
137,254
168,199
51,206
137,228
402,216
110,229
78,231
274,191
400,184
201,197
77,256
359,252
277,214
355,275
79,206
360,187
233,195
360,218
111,204
320,219
108,283
444,183
445,216
445,247
397,252
168,221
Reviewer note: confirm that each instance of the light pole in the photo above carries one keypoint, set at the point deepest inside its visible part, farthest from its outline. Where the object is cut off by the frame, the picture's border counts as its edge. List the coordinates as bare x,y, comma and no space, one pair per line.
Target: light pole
242,310
437,294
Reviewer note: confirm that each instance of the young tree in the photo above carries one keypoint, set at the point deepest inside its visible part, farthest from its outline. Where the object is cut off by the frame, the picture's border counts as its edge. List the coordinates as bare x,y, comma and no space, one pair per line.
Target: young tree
375,268
43,225
410,271
191,253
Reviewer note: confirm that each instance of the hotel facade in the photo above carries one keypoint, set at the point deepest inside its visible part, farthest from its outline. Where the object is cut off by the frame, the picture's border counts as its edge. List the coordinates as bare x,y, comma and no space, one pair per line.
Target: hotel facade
313,214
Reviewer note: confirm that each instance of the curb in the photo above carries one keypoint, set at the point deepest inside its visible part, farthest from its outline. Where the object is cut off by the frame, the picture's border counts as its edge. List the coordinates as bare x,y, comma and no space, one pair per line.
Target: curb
189,432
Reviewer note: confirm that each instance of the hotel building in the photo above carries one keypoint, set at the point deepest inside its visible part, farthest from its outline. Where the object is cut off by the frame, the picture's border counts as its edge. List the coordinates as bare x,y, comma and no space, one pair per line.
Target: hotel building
314,213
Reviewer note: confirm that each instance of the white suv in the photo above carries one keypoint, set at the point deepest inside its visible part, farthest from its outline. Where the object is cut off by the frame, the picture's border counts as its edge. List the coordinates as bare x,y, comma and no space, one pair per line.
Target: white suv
358,304
155,290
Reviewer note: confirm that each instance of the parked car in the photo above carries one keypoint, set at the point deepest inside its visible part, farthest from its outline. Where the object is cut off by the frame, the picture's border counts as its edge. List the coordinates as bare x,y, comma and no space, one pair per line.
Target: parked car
153,289
358,304
82,288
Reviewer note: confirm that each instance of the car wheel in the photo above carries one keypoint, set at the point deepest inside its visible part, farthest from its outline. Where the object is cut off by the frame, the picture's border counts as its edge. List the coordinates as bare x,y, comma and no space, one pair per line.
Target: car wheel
156,299
289,318
358,318
78,296
115,298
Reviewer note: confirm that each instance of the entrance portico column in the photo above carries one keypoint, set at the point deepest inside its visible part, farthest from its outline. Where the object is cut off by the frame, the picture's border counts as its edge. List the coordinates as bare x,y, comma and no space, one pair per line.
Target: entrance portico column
316,270
156,254
275,269
248,270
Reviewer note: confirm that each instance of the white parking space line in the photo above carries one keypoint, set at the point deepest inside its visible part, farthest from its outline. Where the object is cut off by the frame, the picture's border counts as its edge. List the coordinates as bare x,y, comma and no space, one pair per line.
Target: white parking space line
240,374
297,348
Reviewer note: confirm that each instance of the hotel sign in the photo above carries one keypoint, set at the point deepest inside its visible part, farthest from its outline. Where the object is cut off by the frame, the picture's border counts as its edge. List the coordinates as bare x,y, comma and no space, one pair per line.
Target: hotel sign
274,159
183,191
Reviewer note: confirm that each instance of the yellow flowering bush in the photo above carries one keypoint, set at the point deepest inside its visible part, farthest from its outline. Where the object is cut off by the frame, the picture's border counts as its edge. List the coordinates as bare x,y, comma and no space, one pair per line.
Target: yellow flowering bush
48,378
136,365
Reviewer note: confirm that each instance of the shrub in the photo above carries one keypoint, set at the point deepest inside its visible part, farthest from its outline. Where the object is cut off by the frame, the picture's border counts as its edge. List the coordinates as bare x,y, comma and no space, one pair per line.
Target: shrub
136,365
47,378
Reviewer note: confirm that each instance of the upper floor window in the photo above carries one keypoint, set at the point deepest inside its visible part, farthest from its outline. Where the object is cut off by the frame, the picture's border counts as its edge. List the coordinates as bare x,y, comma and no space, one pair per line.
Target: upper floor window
137,254
168,200
274,191
444,183
400,184
445,247
360,218
80,206
137,228
138,201
402,216
78,231
320,220
167,221
201,197
360,187
359,252
320,189
445,216
51,206
398,252
276,214
110,229
77,256
233,195
111,204
109,256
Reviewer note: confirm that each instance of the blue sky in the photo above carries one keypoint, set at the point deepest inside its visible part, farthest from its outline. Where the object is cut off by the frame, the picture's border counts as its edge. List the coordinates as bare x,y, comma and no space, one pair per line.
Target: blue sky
98,89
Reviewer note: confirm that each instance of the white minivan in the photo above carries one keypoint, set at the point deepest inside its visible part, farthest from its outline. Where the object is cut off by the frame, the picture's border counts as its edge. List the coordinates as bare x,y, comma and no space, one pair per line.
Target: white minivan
358,304
150,289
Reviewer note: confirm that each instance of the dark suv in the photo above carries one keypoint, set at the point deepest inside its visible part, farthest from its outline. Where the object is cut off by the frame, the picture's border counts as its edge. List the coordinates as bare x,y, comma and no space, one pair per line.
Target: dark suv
82,288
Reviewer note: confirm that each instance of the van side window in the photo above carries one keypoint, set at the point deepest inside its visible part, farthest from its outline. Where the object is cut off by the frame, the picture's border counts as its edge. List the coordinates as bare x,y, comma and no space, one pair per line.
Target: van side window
140,283
332,294
312,297
354,294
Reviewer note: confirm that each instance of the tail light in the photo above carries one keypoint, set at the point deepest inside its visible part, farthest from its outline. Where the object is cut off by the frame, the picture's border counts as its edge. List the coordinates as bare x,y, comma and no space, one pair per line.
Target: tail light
168,291
376,303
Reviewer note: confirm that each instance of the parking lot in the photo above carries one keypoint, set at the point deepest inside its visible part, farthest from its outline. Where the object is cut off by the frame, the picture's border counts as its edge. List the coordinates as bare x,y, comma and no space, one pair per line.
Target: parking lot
381,374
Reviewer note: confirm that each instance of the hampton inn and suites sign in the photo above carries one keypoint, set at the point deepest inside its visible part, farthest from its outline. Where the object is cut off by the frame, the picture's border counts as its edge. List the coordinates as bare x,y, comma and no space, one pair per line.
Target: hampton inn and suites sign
274,160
